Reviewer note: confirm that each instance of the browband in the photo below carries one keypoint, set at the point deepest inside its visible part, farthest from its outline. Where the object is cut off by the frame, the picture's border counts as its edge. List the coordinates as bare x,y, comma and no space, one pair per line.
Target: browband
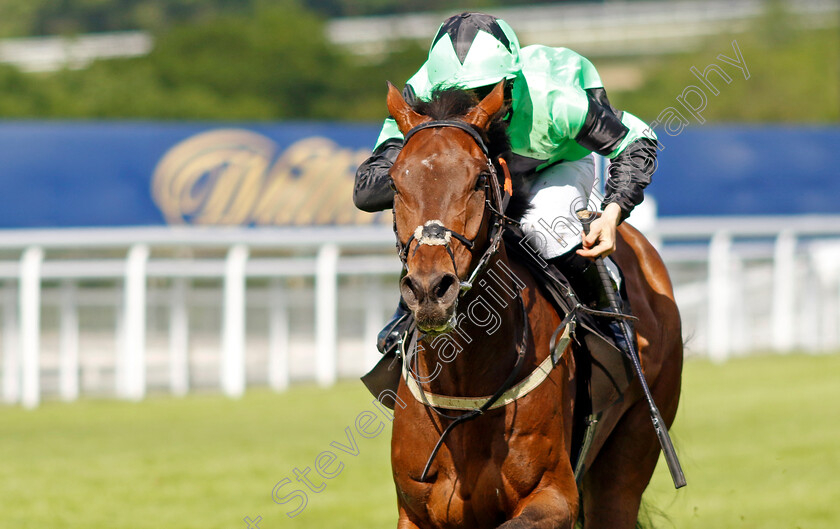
450,123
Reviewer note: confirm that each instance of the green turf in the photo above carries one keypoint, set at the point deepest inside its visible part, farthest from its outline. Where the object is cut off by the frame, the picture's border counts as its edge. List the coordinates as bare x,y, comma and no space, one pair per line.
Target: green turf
759,439
760,442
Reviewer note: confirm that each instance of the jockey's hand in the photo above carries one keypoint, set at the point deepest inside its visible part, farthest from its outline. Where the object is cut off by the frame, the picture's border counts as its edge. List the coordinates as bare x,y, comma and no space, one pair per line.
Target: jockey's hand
601,239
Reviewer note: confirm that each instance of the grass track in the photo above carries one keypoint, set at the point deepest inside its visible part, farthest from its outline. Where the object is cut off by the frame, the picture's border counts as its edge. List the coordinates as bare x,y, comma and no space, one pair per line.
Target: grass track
759,439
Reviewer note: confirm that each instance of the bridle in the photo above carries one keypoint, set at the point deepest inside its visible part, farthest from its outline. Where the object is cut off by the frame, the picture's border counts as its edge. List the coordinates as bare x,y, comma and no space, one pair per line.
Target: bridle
434,233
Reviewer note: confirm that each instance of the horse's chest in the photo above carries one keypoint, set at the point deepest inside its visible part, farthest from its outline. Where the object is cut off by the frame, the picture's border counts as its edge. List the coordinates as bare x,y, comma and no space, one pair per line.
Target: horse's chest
459,501
480,504
475,485
485,468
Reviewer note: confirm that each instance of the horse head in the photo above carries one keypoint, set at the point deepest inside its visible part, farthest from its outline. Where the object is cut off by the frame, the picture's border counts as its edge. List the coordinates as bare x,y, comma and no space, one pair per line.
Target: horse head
442,181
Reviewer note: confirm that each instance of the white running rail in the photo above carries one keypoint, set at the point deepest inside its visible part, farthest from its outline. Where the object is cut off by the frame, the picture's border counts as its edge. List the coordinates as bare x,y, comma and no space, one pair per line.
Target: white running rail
289,304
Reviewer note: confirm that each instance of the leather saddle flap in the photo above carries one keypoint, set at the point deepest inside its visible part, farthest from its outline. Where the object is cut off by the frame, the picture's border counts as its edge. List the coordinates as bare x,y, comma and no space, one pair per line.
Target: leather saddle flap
611,373
384,376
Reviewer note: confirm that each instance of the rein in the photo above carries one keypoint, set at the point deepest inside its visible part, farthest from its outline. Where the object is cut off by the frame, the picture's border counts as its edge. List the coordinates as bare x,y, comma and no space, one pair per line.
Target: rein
434,233
488,404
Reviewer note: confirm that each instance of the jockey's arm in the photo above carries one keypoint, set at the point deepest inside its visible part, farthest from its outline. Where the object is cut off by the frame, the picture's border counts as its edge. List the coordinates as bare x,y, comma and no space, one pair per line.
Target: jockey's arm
631,144
372,191
631,170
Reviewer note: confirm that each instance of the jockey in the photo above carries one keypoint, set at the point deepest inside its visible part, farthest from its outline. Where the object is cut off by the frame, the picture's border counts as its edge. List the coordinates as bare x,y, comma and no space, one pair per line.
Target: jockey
558,116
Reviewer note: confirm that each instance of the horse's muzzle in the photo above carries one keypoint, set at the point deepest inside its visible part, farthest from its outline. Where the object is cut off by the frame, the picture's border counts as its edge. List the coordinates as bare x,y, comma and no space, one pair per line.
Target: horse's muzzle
432,299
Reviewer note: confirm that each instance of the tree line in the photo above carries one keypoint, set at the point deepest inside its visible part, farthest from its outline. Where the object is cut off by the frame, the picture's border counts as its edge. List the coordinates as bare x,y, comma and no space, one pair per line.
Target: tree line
261,60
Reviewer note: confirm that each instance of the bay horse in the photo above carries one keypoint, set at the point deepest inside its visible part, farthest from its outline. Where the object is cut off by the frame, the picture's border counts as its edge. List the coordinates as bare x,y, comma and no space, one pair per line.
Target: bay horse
511,466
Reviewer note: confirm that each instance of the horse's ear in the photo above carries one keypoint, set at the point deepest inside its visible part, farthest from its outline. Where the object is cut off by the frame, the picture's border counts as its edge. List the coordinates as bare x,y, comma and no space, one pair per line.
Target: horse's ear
481,115
401,111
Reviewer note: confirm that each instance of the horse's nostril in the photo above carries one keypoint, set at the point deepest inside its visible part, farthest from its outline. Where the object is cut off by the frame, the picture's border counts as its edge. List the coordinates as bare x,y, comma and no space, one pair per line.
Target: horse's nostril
446,289
409,291
436,290
443,287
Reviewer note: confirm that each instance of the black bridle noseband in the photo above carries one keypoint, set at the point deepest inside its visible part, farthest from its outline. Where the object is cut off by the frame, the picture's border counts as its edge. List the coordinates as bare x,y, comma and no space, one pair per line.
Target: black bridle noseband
434,233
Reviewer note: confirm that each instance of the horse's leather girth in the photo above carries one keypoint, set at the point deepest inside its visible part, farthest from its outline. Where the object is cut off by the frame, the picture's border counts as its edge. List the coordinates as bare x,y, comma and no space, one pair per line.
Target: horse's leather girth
611,372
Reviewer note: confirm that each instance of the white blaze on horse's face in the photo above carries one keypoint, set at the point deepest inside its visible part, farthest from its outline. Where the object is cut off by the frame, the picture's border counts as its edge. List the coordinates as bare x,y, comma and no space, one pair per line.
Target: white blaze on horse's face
429,161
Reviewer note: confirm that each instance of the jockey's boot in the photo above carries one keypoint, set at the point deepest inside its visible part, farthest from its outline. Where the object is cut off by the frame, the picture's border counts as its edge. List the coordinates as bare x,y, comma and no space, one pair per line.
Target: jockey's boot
589,289
392,335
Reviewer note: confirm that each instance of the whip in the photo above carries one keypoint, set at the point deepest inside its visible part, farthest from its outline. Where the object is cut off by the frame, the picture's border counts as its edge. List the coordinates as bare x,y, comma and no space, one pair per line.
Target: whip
586,217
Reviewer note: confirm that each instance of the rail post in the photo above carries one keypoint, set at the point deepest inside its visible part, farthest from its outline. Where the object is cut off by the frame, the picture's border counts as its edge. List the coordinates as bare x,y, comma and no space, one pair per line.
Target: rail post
179,335
233,326
69,342
326,299
784,291
132,368
719,335
278,336
30,325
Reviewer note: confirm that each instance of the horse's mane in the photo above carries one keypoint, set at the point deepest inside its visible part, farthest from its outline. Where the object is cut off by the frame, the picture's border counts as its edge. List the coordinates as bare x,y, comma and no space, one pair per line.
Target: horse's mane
453,102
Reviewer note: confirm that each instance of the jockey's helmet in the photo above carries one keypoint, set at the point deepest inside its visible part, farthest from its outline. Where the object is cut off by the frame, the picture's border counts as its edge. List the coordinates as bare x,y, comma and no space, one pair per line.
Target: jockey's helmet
472,50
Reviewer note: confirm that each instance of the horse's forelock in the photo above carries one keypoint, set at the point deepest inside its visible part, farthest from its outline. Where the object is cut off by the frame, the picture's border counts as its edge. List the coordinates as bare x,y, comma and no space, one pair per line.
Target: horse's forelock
452,102
446,103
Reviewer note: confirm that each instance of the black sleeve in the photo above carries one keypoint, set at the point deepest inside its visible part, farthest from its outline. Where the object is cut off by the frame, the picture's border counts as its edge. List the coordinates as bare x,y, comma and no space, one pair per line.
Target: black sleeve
602,129
372,191
630,172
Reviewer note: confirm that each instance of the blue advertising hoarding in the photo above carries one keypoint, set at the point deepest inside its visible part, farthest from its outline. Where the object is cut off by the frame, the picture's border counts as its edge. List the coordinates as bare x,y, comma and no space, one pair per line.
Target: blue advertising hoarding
62,174
119,174
749,170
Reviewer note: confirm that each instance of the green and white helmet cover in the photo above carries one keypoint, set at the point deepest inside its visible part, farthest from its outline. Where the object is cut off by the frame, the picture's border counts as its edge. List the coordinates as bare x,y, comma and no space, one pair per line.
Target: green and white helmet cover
472,50
550,103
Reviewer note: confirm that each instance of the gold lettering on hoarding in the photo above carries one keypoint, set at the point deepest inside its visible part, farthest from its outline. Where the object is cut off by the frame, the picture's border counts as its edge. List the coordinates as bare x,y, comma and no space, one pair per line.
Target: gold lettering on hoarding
237,177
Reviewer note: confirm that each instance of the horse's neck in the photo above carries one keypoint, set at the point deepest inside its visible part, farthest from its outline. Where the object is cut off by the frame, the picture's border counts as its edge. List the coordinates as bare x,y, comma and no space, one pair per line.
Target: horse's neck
477,356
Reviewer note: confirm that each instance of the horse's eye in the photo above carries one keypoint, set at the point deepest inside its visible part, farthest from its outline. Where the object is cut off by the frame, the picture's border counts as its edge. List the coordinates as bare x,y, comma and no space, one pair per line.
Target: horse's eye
481,181
392,185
